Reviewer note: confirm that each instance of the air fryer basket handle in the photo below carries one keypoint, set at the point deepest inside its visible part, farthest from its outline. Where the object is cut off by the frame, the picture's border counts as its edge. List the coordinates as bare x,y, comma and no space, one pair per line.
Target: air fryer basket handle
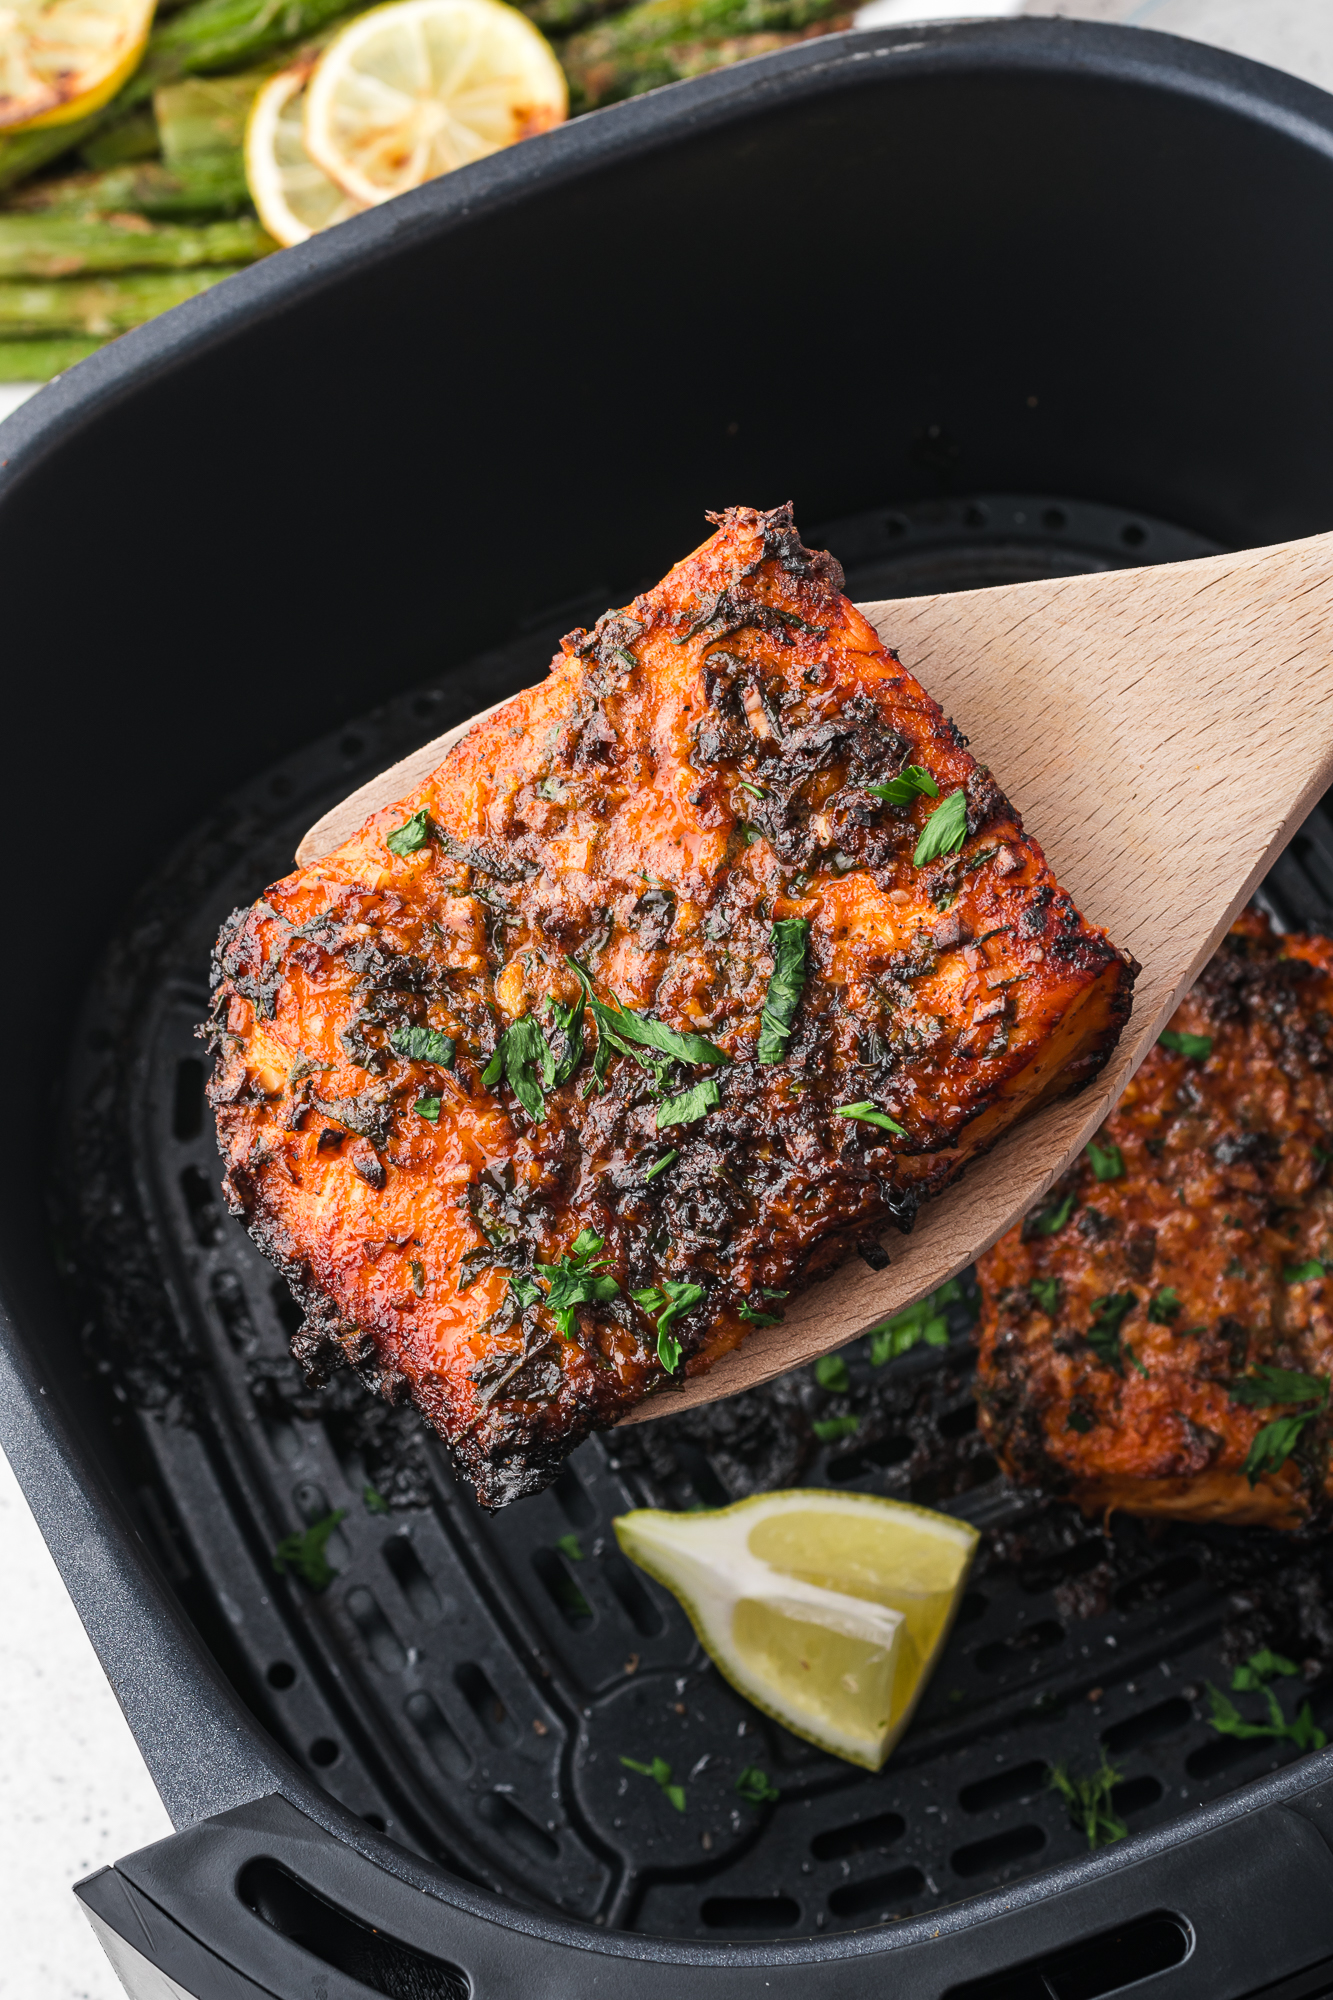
262,1901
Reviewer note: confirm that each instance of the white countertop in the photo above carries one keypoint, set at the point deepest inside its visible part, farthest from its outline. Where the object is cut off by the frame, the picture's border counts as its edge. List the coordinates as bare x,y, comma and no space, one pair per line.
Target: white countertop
73,1791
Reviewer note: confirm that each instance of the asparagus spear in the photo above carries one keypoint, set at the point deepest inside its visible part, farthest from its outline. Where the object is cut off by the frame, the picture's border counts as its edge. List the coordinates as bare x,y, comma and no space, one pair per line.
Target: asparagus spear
56,246
96,307
660,41
39,360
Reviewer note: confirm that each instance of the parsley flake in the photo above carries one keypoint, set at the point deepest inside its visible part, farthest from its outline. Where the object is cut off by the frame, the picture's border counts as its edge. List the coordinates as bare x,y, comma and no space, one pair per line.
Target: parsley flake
911,783
569,1545
1265,1387
520,1052
916,1325
831,1374
1046,1293
829,1429
1089,1802
1164,1305
1303,1274
373,1501
1227,1720
660,1772
666,1302
307,1552
428,1108
1197,1047
788,940
577,1280
945,831
755,1787
1273,1446
1103,1334
1107,1162
412,834
1052,1220
1260,1668
660,1166
691,1105
619,1028
424,1045
867,1114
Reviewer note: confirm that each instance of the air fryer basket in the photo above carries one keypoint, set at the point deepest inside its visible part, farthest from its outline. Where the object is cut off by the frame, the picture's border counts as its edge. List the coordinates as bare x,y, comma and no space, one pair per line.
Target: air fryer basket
411,1781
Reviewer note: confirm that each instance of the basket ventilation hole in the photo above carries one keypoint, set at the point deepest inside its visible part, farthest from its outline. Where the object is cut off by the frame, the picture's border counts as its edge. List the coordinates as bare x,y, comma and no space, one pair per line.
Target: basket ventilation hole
187,1110
517,1829
572,1498
323,1751
381,1641
861,1838
960,1422
561,1588
496,1724
750,1916
1163,1720
858,1899
998,1850
405,1566
1022,1782
281,1674
379,1963
426,1718
1008,1652
1091,1970
201,1205
632,1597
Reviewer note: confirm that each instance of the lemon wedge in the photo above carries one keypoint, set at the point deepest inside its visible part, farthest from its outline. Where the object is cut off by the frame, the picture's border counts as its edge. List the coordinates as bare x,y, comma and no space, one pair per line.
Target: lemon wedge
294,198
826,1610
420,87
61,59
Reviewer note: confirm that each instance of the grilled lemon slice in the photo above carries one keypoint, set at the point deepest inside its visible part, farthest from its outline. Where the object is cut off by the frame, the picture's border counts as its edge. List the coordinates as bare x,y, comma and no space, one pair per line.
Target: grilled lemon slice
293,196
61,59
420,87
826,1610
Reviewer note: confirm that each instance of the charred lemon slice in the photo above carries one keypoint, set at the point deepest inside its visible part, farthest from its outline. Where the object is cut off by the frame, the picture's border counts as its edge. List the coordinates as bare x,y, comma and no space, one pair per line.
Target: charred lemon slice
61,59
293,196
415,89
826,1610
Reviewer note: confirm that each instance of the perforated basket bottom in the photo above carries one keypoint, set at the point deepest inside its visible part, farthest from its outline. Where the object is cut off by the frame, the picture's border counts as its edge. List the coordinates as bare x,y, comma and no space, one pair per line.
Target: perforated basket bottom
470,1685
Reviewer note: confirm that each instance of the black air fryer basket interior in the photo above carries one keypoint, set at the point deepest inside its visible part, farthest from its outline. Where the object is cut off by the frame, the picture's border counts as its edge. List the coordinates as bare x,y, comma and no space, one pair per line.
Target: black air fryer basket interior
1091,280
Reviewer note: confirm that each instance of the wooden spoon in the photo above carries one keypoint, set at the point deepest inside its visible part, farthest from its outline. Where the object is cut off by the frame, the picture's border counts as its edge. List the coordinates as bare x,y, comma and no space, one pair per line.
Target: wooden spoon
1163,733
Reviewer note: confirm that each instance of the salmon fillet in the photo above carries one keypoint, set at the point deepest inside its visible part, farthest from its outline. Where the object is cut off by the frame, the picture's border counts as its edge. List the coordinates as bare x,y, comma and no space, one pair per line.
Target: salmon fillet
644,1009
1158,1335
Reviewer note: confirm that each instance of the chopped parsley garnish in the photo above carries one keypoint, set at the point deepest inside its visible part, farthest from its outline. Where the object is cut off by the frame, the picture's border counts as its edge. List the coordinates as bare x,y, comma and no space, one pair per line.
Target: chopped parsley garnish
1089,1802
1080,1418
660,1166
1273,1446
756,791
912,783
755,1315
412,834
576,1280
945,831
660,1772
1046,1292
1303,1274
667,1302
788,940
867,1114
1107,1162
1227,1720
831,1374
1053,1220
570,1546
829,1429
424,1045
618,1028
519,1054
373,1501
1164,1305
922,1324
307,1553
755,1787
691,1105
1103,1334
1264,1387
1197,1047
569,1022
1260,1668
428,1108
